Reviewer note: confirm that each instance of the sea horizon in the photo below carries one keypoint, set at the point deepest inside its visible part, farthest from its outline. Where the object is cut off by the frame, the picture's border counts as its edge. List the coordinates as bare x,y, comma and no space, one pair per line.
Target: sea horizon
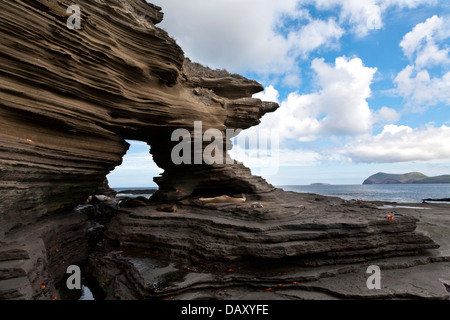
400,193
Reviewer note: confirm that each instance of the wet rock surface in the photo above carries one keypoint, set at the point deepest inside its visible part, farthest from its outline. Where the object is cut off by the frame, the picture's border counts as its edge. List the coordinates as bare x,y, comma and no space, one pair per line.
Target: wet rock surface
34,259
293,248
301,246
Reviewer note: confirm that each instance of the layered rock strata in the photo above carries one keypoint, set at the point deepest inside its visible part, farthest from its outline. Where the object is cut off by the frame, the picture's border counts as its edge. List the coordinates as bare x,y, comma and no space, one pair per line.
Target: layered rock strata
70,98
298,247
35,258
315,232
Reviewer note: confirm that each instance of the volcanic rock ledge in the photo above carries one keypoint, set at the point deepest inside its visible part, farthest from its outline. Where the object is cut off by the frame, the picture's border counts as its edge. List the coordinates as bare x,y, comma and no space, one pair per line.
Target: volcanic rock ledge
315,232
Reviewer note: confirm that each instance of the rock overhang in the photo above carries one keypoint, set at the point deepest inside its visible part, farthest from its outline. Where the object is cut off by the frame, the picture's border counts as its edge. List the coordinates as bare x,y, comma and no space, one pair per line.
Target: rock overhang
118,77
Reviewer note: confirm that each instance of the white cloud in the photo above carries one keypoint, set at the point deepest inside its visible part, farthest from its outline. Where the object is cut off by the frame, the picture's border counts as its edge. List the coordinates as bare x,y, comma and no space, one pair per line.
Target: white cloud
421,90
425,47
315,34
362,15
292,80
269,94
137,168
395,144
137,162
242,36
339,107
267,161
431,55
406,3
366,15
402,144
420,43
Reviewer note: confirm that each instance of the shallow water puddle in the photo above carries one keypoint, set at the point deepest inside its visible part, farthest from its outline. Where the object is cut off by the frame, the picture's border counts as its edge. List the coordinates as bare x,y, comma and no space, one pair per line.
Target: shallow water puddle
86,293
402,207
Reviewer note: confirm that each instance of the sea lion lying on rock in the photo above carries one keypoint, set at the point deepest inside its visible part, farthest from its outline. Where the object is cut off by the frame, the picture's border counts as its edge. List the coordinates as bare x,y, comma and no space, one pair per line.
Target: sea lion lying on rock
167,208
102,198
223,199
97,199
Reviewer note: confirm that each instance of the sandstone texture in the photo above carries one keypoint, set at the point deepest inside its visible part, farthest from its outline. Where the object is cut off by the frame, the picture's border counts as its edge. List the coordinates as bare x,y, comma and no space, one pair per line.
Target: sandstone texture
69,99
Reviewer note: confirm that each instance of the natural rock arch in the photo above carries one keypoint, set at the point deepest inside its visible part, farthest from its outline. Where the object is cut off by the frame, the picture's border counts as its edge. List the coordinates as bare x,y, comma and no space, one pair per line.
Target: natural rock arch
65,117
70,99
136,170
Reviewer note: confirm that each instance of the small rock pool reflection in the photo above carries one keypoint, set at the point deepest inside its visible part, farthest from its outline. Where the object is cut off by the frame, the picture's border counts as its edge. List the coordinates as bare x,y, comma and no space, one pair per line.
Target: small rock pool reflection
86,293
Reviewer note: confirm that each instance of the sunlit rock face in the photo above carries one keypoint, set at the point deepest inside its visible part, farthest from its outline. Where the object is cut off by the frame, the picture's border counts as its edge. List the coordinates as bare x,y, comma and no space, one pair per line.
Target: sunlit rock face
70,98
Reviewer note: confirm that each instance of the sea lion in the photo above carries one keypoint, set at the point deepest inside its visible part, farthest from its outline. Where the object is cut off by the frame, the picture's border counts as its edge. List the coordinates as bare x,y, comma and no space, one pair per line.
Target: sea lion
96,199
102,198
167,208
217,100
224,199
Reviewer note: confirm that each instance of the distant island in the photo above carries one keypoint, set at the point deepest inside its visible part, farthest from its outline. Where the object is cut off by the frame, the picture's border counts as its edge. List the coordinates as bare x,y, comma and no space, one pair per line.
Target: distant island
406,178
320,184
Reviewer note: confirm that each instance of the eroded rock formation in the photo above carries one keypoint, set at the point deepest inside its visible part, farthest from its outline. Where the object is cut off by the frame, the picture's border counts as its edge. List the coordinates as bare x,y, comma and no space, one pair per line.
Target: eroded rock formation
70,98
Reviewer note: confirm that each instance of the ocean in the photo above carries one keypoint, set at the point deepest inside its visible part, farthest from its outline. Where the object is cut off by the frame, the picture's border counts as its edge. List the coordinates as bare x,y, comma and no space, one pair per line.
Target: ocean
401,193
140,191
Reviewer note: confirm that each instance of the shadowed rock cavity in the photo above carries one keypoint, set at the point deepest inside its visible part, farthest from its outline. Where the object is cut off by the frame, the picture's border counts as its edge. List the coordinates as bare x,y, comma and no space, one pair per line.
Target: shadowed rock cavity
70,98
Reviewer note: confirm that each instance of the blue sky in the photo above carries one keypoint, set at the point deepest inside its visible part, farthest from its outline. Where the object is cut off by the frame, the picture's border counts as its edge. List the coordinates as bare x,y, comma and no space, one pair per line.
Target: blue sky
363,85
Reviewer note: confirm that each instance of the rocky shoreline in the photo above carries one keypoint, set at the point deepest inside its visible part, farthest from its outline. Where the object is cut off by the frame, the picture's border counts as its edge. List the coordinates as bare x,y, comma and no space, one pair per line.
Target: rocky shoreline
138,191
314,257
302,246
